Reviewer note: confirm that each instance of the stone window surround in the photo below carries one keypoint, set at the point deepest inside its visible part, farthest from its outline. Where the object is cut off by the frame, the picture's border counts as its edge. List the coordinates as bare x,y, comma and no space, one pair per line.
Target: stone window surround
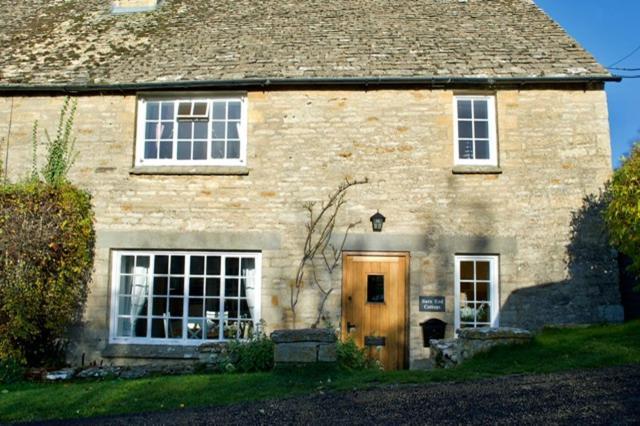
142,341
477,166
494,292
178,167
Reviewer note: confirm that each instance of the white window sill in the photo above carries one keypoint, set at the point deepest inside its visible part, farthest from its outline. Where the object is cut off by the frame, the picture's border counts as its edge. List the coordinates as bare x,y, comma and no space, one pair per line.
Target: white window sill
476,170
190,170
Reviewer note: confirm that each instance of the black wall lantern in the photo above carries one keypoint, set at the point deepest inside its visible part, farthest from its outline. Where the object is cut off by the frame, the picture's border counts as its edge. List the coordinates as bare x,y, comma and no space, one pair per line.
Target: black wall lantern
376,221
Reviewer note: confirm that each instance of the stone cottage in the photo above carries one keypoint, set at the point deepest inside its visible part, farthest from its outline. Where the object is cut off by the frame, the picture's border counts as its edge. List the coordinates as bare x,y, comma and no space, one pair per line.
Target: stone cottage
205,126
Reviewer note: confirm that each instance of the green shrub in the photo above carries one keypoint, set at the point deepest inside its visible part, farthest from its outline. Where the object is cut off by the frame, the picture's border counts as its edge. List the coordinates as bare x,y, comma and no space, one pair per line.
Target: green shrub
622,214
11,371
350,356
255,354
46,245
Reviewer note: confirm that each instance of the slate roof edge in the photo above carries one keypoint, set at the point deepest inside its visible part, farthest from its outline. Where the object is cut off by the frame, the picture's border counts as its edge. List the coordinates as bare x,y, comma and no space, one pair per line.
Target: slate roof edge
265,83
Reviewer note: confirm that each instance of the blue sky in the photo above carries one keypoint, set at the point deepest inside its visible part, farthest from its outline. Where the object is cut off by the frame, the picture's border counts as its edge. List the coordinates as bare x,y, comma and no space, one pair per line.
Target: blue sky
609,30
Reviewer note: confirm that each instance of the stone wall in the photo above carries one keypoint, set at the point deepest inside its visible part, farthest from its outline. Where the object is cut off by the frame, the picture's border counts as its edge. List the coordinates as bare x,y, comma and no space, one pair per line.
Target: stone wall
553,151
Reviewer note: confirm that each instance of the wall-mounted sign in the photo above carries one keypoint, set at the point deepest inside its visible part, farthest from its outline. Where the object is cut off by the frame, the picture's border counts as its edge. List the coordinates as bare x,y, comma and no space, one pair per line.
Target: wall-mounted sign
432,304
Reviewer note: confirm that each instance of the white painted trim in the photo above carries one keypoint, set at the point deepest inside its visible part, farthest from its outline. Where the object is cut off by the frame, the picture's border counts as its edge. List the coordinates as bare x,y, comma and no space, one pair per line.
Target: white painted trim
140,161
493,287
493,133
115,284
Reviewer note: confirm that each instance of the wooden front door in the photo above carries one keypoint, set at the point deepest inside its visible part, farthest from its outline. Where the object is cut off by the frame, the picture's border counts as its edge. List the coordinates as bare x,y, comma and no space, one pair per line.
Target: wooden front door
374,305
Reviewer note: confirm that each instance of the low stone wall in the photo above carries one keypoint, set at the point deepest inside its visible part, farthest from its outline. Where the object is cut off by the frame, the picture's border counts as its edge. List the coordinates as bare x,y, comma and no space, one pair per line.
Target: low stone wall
448,353
304,346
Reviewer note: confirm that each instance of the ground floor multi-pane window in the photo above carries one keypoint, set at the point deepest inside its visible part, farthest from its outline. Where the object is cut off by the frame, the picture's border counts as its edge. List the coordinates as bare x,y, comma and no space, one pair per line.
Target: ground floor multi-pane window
476,291
184,297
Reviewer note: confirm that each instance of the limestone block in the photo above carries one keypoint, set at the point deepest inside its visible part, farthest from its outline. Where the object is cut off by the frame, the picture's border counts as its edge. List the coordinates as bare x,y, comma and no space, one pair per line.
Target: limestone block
304,335
296,353
327,353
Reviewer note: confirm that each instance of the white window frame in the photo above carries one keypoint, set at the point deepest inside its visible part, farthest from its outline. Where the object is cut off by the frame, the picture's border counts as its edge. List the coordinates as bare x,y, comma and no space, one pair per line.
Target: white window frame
493,137
116,260
140,161
494,290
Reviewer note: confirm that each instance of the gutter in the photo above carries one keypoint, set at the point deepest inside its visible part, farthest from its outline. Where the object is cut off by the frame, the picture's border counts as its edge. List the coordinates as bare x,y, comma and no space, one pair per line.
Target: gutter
265,83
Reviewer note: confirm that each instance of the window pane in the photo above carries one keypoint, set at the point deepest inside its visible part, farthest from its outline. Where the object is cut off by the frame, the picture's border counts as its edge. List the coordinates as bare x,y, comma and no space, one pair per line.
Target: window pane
232,266
466,292
124,305
200,130
184,150
212,308
219,110
126,264
200,108
248,265
232,130
245,312
482,129
152,130
233,149
196,287
142,261
123,327
159,306
482,150
159,328
466,270
125,284
177,264
167,111
213,265
246,329
176,287
197,265
175,328
480,109
218,129
213,330
231,287
184,108
195,328
217,149
200,150
160,286
175,306
184,129
464,129
213,287
234,110
161,264
375,289
483,312
465,149
153,110
467,312
166,130
482,291
150,150
482,270
464,109
140,327
231,308
166,149
196,308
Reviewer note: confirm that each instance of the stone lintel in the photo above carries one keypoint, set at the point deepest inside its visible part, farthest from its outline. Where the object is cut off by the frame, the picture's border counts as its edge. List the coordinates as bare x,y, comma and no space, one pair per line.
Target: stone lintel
154,239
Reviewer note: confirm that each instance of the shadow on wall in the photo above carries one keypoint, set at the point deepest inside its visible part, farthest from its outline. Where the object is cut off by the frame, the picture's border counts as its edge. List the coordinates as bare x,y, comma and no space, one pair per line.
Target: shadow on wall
590,294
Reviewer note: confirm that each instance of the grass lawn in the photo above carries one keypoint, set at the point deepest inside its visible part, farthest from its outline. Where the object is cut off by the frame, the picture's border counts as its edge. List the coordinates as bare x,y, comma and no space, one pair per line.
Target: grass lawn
552,350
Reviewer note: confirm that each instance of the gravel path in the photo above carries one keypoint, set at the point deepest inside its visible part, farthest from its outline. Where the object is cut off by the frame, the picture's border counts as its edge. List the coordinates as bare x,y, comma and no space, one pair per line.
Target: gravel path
603,396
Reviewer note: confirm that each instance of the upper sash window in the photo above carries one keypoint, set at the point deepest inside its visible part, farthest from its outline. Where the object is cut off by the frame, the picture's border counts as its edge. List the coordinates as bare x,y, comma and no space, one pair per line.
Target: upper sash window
475,131
192,131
